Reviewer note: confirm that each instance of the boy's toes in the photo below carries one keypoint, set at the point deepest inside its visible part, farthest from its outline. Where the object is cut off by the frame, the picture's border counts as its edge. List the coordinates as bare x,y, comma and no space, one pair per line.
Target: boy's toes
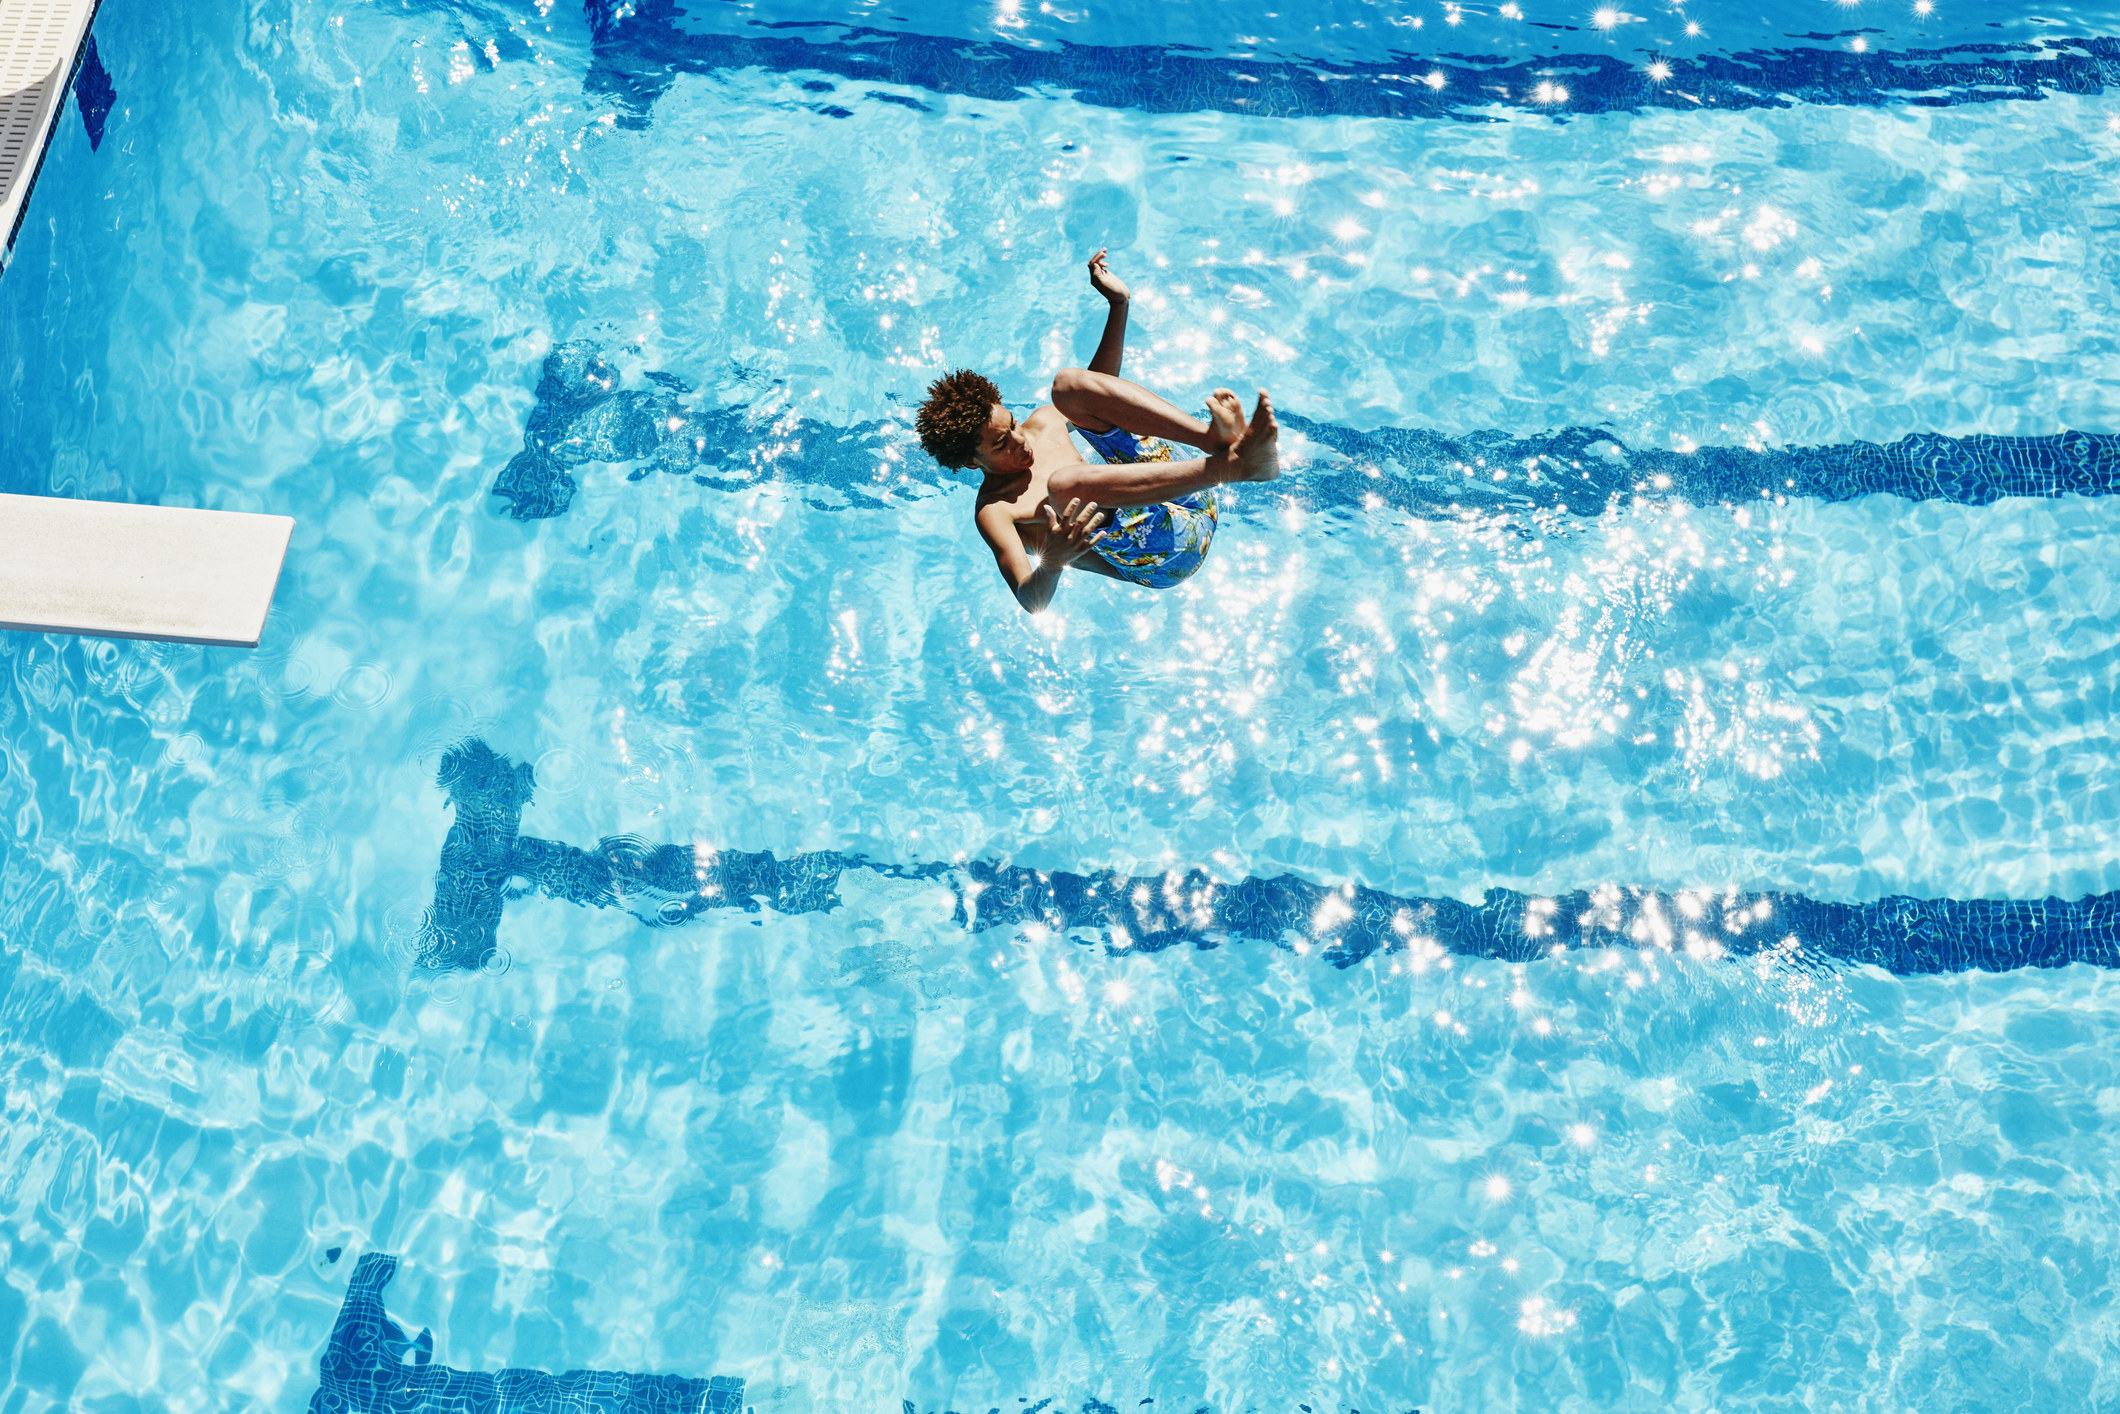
1262,415
1258,457
1226,415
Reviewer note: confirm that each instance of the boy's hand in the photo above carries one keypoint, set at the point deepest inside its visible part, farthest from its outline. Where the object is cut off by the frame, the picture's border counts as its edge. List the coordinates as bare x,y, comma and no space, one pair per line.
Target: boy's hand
1104,282
1069,534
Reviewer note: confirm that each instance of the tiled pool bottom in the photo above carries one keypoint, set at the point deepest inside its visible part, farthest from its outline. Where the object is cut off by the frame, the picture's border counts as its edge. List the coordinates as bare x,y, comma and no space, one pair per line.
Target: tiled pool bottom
1981,1198
875,1154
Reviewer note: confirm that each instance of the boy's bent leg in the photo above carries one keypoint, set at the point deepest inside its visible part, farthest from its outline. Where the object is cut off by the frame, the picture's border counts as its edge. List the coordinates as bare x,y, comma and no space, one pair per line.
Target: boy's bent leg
1098,402
1250,452
1134,483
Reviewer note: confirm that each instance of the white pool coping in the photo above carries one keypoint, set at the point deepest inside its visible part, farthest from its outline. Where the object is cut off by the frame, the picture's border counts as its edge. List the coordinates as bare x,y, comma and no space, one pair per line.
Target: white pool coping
39,42
111,570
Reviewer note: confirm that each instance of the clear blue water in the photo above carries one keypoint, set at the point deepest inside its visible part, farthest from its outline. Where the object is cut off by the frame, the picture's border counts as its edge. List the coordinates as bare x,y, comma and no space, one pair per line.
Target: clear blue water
867,1154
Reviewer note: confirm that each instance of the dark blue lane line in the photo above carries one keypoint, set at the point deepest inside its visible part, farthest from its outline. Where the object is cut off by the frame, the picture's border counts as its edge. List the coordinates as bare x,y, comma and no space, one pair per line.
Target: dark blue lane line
486,861
370,1366
1584,469
639,49
582,414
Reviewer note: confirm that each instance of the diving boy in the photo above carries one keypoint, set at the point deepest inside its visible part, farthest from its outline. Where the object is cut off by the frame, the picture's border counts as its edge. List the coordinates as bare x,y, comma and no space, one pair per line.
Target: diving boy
1039,504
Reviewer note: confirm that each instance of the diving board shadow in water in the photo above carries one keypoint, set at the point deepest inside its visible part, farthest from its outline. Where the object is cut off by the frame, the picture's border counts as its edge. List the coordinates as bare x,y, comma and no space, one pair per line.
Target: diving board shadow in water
370,1366
94,94
583,414
487,861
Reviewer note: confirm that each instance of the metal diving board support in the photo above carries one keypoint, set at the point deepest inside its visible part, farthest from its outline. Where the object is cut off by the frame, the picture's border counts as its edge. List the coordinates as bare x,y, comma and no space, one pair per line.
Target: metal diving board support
40,43
110,570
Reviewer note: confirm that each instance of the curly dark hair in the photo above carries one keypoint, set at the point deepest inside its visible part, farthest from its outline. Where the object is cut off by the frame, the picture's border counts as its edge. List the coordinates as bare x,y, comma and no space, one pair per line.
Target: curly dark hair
953,419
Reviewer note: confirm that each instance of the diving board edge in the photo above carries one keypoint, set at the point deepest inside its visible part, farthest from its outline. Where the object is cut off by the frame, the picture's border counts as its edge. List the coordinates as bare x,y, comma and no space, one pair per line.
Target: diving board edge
41,44
106,569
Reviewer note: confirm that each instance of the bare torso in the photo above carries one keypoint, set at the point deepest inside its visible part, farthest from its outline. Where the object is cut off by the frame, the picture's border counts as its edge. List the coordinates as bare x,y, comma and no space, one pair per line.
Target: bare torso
1023,495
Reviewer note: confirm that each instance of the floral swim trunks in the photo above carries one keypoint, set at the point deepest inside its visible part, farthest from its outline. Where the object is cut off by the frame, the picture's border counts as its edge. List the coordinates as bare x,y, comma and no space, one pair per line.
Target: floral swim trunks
1153,546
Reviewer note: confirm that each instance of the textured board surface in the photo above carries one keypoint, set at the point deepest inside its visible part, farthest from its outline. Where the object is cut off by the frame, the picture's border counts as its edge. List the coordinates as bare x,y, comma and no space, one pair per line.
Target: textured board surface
119,571
38,41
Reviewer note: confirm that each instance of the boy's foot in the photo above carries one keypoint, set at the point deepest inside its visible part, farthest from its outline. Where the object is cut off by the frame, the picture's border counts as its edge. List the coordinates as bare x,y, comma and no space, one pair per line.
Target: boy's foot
1225,419
1257,452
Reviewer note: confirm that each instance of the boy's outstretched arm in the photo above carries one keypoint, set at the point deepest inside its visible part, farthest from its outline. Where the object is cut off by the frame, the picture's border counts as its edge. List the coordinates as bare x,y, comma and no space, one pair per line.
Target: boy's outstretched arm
1111,349
1097,398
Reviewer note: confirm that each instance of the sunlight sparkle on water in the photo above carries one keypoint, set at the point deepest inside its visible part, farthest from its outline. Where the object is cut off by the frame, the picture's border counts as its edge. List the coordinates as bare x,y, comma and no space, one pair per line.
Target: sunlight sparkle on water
1540,1318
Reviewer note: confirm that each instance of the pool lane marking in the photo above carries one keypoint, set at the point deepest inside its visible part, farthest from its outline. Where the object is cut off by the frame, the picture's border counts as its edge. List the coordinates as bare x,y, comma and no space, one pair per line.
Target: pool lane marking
486,860
638,53
369,1363
582,414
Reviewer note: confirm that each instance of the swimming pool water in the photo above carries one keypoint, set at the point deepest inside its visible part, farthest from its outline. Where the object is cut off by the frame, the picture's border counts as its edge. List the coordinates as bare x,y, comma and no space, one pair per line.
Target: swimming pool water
1699,514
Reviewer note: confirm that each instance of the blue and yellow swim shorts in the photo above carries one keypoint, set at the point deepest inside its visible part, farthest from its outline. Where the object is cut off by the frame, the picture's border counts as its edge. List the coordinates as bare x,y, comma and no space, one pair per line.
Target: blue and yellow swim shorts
1153,546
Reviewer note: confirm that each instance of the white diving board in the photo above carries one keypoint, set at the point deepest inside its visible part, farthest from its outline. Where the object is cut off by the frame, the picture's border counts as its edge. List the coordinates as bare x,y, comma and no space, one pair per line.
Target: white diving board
39,42
110,570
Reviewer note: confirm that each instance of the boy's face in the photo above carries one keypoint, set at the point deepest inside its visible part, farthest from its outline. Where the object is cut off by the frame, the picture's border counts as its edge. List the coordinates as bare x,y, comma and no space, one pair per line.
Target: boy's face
1002,446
